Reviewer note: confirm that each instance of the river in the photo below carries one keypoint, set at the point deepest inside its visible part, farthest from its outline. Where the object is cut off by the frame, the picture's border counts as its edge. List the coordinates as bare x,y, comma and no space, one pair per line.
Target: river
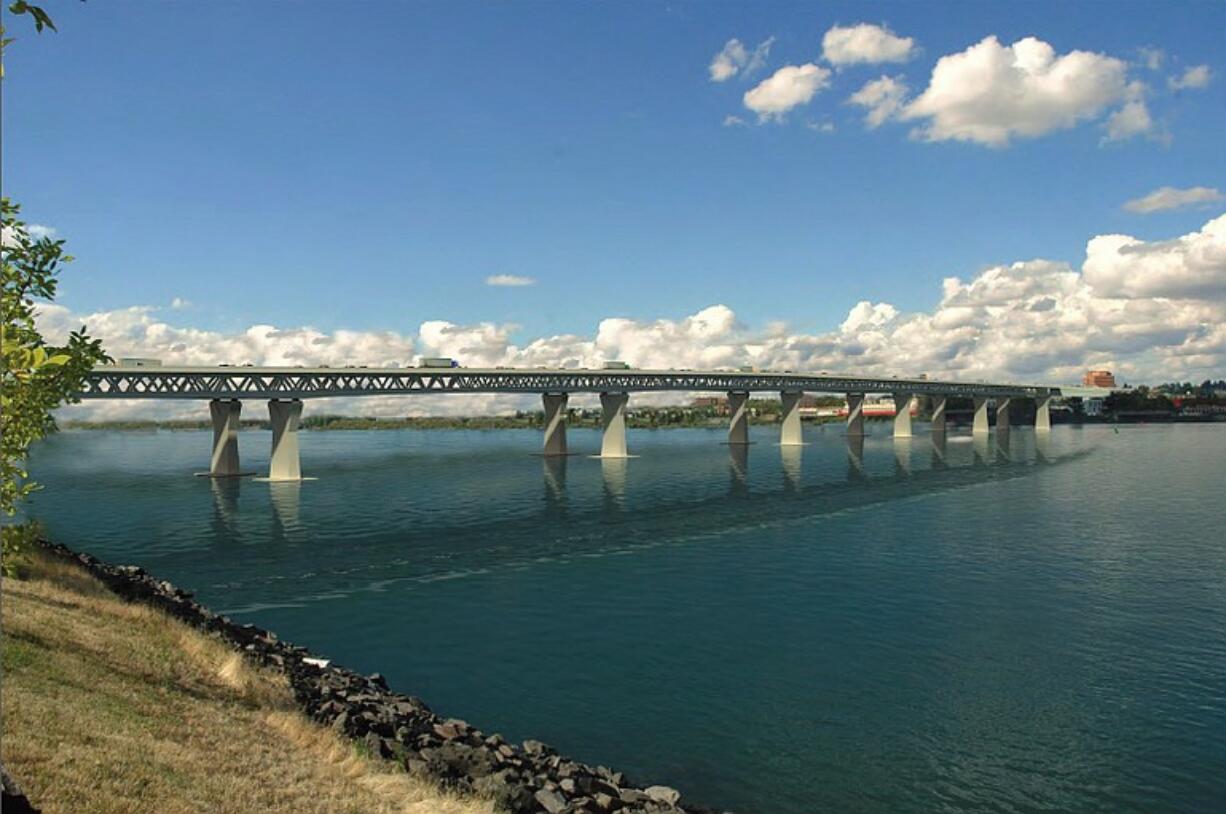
906,627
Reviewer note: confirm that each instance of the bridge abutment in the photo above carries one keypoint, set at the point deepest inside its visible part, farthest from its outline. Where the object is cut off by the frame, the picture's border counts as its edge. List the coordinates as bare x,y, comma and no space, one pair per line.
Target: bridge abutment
738,424
1002,414
980,425
855,414
1042,413
902,414
285,417
613,425
555,422
789,424
938,413
225,414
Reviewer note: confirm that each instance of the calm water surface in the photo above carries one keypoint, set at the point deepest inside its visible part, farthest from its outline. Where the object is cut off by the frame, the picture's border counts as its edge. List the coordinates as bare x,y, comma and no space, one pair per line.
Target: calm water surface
902,627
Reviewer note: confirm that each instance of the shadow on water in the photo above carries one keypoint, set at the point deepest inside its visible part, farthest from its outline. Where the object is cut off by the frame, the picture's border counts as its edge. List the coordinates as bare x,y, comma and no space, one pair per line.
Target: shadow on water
564,526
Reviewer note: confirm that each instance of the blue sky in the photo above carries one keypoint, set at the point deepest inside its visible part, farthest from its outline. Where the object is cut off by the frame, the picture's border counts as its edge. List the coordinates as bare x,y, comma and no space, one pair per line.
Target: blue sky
367,166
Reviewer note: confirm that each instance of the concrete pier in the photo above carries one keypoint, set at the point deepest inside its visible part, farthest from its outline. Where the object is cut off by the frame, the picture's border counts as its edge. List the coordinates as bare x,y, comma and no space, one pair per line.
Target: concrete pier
938,413
613,425
1002,415
225,414
285,417
738,425
1042,413
903,402
980,426
789,424
555,422
855,414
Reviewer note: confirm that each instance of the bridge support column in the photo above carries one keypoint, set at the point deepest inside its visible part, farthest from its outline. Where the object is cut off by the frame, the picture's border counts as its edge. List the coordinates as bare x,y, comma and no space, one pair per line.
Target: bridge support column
613,425
738,426
285,417
225,414
980,425
855,414
1002,414
938,413
789,425
555,422
902,414
1042,413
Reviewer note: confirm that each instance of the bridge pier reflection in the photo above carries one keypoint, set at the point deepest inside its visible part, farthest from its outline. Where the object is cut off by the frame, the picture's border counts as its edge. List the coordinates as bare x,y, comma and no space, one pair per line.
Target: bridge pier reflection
613,475
938,451
738,469
902,457
225,504
791,467
855,457
555,481
286,500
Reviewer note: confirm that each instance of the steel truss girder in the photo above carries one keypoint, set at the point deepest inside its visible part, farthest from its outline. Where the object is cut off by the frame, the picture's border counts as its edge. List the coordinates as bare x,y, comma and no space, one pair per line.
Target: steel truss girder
168,383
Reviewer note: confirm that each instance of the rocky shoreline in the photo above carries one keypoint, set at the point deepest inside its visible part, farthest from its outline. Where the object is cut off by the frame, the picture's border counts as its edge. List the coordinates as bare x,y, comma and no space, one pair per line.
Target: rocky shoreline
531,777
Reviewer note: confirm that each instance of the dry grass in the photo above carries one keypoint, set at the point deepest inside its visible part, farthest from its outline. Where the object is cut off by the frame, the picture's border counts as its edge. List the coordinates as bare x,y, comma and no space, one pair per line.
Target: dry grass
111,707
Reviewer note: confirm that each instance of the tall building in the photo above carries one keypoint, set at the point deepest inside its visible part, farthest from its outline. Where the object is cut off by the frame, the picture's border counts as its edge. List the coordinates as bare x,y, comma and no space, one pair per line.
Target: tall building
1098,378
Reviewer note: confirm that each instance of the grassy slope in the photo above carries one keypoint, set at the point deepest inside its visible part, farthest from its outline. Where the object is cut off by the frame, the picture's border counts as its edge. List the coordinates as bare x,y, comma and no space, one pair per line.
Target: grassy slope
113,707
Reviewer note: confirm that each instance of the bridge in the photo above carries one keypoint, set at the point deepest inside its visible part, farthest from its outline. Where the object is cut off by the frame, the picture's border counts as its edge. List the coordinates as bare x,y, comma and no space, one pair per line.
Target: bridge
285,389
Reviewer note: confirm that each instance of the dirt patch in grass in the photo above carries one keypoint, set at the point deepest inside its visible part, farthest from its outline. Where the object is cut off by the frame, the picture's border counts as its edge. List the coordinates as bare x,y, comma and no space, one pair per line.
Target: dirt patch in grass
113,707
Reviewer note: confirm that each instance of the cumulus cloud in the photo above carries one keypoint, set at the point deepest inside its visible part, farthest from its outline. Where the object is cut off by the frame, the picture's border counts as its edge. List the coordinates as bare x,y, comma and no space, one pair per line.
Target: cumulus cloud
734,58
992,93
883,98
865,44
1148,310
509,280
734,121
1189,267
1165,198
789,87
39,231
1131,120
1193,78
179,303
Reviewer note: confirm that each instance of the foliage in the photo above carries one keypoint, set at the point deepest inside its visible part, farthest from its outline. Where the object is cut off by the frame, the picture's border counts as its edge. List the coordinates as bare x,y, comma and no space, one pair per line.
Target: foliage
40,18
35,376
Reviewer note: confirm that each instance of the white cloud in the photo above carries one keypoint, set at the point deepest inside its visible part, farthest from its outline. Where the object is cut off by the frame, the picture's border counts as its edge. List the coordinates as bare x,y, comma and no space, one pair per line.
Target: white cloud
820,127
789,87
991,93
734,58
1165,198
179,303
1189,267
1151,311
1132,119
38,231
1193,78
509,280
1152,58
883,98
864,44
734,121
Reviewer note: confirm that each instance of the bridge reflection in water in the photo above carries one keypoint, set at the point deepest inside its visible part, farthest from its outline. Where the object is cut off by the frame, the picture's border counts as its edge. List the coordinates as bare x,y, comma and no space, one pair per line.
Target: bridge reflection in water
566,521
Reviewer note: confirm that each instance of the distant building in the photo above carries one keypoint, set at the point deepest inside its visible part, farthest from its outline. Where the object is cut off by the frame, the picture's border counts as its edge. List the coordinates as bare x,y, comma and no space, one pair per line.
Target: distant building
1098,378
1093,407
136,361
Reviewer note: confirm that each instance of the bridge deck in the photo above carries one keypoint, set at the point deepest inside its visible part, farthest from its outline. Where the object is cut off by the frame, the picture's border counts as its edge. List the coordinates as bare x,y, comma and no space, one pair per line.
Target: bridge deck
112,382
